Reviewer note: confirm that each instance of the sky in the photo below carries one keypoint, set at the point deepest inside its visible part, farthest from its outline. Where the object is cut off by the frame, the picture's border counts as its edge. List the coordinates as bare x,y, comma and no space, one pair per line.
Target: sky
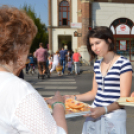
40,7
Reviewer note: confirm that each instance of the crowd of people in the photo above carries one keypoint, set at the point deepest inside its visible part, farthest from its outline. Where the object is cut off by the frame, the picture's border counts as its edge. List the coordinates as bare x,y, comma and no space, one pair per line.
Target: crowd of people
23,109
61,60
67,59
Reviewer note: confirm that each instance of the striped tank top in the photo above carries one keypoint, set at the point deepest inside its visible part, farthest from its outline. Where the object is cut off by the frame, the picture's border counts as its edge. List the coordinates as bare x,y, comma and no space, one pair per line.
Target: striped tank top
109,86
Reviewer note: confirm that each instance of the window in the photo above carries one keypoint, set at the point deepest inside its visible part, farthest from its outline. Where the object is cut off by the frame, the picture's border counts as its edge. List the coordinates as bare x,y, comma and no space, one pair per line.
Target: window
116,23
64,14
129,23
122,21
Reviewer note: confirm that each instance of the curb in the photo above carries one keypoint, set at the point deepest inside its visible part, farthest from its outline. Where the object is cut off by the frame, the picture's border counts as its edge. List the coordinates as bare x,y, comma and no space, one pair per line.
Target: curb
87,71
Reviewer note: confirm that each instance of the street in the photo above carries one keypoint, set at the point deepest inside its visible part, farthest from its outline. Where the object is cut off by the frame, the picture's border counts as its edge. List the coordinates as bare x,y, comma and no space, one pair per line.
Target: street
71,84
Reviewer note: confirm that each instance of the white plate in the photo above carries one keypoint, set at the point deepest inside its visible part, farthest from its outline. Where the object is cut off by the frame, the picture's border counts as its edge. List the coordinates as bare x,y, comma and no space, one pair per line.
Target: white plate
72,115
76,114
122,101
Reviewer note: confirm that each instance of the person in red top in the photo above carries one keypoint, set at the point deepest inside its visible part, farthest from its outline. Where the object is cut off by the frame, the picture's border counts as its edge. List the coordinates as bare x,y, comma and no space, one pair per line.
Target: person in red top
41,55
76,59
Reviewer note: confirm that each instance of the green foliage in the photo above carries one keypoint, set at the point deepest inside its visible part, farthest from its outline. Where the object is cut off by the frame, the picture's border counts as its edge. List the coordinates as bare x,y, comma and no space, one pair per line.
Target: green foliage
42,35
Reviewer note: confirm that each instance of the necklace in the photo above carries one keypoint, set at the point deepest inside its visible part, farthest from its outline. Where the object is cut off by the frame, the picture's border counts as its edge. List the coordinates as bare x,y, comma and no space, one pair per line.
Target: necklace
103,77
110,63
3,66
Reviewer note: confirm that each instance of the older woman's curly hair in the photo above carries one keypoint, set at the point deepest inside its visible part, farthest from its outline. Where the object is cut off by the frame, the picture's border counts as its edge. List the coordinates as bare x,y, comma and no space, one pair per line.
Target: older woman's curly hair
17,31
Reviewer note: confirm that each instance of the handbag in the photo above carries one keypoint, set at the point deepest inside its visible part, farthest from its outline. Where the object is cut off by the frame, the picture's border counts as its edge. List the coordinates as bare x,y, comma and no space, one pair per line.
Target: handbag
59,68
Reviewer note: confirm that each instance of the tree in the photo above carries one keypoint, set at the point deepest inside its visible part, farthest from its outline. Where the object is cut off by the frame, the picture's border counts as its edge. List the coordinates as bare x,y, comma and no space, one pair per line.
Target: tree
42,35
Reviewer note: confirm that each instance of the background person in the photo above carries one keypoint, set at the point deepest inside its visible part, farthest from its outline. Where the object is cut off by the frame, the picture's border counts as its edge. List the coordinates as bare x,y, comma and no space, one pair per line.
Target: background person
112,80
56,61
41,55
63,54
50,59
76,59
72,69
25,111
27,64
32,64
69,64
69,55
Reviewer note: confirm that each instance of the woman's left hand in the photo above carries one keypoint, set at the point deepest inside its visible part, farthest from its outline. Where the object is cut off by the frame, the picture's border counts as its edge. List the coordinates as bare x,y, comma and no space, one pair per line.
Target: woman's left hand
96,112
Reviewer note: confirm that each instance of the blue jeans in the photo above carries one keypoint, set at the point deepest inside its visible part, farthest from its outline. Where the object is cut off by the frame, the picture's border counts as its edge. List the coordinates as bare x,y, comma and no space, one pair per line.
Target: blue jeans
63,63
77,67
69,69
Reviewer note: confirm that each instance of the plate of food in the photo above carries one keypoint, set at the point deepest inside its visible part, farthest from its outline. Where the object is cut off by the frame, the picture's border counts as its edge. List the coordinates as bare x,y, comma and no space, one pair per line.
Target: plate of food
126,101
74,108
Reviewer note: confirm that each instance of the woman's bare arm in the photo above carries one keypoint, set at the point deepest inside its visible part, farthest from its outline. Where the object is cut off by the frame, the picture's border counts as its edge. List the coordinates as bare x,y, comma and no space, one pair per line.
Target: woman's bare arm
90,95
58,111
59,116
125,89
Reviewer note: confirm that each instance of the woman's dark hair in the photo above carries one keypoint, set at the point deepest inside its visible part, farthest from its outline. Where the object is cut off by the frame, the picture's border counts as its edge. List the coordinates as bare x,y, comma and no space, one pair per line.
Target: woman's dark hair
101,32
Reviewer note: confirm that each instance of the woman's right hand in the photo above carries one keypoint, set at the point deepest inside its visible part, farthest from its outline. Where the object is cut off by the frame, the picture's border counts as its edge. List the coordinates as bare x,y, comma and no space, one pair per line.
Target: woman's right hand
132,95
56,98
58,111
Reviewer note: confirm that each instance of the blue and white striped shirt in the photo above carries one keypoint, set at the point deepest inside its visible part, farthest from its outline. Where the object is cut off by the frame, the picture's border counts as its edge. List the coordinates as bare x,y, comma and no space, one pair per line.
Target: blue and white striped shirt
109,86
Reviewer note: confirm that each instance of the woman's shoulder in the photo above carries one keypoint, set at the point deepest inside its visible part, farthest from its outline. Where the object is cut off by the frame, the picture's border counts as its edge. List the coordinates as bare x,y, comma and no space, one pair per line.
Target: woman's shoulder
97,63
20,85
123,59
14,86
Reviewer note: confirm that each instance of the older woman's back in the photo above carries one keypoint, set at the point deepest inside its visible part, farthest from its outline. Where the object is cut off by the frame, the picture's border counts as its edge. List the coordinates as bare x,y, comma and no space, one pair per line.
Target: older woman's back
17,99
22,109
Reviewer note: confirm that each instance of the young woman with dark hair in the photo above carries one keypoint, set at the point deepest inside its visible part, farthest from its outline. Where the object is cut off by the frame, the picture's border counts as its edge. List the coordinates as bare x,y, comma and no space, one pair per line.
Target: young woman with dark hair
112,80
101,33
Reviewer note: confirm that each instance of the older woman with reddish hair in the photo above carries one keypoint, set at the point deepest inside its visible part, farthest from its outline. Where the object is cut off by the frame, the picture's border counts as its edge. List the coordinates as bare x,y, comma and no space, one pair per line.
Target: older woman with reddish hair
22,109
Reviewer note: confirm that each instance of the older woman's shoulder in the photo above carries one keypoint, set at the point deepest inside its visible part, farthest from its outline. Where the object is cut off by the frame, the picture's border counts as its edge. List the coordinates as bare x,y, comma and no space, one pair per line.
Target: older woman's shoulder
18,84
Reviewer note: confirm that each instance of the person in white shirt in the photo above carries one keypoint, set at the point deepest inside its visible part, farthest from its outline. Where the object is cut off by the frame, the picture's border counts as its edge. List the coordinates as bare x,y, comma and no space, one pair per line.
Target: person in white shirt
55,61
22,109
50,59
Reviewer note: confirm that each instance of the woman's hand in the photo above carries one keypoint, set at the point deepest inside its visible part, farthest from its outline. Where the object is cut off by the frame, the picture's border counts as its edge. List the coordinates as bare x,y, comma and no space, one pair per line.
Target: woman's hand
56,98
132,95
58,111
96,112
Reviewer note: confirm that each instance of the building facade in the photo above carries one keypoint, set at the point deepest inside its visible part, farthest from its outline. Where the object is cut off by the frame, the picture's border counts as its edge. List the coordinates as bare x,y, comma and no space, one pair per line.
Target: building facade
68,18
